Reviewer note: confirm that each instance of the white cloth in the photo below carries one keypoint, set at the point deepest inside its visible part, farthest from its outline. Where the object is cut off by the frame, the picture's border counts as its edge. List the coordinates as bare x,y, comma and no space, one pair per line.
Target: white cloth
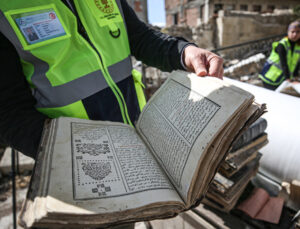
281,157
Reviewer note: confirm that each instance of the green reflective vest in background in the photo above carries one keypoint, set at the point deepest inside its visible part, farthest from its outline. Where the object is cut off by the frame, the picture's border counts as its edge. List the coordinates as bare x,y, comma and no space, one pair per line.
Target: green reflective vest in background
61,66
274,74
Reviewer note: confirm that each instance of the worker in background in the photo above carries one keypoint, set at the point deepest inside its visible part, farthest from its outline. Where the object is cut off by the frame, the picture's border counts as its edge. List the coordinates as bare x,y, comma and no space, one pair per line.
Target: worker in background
284,61
79,65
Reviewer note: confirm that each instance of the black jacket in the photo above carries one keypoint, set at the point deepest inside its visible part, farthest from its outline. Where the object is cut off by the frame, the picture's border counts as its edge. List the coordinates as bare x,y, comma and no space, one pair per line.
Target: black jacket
21,124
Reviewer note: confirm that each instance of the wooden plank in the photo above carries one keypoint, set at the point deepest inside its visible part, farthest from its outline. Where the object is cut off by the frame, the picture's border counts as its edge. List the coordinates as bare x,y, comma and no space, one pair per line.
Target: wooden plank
185,220
219,219
192,220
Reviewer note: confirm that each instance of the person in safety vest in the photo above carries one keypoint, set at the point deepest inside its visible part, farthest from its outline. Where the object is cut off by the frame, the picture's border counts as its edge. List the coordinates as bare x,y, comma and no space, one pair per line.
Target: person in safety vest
79,65
72,58
284,61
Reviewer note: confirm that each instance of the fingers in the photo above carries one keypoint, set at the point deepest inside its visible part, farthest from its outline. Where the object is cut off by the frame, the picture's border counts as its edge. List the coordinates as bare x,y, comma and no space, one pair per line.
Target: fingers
203,62
199,67
215,66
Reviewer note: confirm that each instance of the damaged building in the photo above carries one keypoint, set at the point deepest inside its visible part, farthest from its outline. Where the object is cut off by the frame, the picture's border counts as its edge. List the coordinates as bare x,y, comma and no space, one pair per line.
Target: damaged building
195,12
140,8
220,23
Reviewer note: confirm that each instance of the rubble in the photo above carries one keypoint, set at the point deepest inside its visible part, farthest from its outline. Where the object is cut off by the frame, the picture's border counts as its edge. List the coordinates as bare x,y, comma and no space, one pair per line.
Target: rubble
154,79
6,216
246,70
22,181
25,163
182,31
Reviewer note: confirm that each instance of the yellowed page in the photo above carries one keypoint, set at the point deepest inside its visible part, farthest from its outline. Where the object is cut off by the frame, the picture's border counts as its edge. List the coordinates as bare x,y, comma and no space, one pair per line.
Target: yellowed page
103,167
183,118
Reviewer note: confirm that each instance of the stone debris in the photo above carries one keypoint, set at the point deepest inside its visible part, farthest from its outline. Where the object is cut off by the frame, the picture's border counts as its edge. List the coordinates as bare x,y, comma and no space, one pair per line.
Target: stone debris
154,79
22,183
2,149
25,163
249,66
6,215
181,31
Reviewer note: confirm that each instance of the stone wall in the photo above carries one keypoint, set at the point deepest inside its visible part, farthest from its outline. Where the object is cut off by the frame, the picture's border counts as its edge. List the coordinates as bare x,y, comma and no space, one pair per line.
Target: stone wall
169,19
200,35
237,27
265,4
233,27
203,36
248,49
170,4
192,16
179,31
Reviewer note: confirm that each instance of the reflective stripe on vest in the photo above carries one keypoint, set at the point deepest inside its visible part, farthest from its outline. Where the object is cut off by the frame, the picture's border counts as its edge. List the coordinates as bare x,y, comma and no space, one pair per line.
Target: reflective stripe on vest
69,70
275,64
49,96
268,81
138,84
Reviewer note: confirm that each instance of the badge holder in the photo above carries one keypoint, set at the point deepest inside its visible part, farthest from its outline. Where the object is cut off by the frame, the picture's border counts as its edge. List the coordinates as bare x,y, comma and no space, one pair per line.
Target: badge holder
35,12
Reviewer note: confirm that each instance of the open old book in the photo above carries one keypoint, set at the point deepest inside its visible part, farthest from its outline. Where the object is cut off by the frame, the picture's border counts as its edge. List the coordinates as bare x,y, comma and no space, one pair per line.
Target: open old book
96,173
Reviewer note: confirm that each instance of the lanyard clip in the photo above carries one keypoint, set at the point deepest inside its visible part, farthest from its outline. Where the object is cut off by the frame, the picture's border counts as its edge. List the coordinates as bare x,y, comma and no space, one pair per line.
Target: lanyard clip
114,31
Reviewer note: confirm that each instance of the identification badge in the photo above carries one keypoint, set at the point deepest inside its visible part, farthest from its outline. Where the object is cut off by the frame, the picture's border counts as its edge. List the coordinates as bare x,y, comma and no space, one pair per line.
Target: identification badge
106,12
37,26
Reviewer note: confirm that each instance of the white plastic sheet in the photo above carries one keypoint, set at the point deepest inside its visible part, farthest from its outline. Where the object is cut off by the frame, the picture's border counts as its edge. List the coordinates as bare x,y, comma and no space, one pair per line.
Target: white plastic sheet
281,157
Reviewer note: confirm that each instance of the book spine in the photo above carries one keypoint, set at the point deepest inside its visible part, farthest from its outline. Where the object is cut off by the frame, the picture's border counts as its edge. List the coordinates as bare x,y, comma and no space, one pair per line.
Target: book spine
256,129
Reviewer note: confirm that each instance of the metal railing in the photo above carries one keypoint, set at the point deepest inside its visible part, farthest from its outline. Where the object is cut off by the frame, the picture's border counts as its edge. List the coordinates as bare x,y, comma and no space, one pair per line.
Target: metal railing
249,48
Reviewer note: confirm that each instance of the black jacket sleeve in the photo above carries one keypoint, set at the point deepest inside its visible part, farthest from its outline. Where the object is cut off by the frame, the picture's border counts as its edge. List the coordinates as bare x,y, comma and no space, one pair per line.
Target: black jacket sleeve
150,46
20,124
296,72
282,56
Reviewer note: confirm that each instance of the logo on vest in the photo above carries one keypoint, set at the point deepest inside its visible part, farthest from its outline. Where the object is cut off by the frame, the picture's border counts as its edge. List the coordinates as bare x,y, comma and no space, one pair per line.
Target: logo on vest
106,6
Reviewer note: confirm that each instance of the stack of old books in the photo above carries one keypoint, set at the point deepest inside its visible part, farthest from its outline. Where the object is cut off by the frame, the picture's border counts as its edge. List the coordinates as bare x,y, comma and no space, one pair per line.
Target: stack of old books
92,174
240,165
